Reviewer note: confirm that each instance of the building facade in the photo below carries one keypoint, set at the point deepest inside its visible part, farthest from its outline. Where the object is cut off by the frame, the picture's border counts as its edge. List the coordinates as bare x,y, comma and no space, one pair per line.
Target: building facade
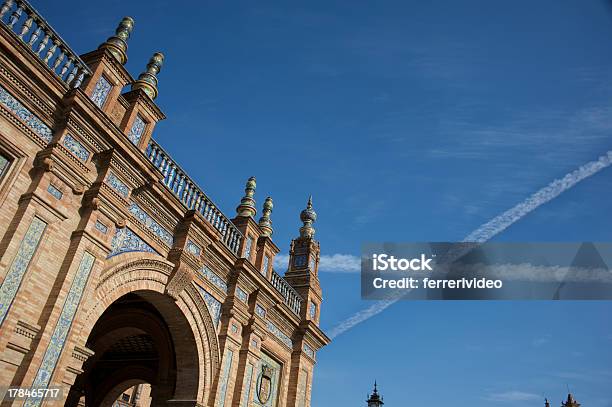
116,269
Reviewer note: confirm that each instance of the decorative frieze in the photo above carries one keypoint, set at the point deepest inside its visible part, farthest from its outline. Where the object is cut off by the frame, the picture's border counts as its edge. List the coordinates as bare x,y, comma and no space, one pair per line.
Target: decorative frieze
242,295
125,240
213,278
115,183
308,350
20,264
101,227
144,218
58,338
75,147
57,194
214,305
27,117
283,337
259,310
193,248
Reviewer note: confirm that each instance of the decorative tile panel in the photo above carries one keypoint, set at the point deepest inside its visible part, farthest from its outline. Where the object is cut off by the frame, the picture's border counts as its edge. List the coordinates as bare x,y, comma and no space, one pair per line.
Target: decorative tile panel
29,118
115,183
313,310
246,386
193,248
75,147
299,260
247,249
227,366
302,382
60,333
101,91
266,263
137,130
125,240
284,338
259,310
214,305
213,278
57,194
144,218
308,350
101,227
241,294
234,328
275,368
20,264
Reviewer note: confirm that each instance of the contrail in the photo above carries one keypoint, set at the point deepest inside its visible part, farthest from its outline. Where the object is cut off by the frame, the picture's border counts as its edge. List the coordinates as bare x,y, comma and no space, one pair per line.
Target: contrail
495,226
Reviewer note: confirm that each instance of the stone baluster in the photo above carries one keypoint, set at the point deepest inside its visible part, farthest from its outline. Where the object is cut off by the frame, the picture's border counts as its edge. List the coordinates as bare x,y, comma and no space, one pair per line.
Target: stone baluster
67,64
35,35
26,27
6,6
72,75
15,16
81,76
50,52
58,60
43,44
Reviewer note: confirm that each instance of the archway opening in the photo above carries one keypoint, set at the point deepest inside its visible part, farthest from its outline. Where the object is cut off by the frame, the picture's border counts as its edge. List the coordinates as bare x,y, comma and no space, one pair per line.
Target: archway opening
142,337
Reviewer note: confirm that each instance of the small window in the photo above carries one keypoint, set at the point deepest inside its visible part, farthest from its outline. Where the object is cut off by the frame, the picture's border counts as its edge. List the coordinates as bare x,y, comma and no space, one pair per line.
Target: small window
125,397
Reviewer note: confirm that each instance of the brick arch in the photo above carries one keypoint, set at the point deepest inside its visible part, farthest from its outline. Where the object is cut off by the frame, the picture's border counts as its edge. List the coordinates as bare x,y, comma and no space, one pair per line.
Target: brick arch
144,273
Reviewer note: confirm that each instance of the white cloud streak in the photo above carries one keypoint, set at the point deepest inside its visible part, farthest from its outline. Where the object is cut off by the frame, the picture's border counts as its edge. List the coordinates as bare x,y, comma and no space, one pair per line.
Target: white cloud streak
494,227
512,396
335,263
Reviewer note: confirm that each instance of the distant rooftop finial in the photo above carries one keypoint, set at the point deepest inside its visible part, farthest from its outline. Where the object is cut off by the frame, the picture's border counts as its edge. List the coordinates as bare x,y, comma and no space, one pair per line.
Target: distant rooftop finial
308,217
117,44
247,203
147,81
265,223
546,403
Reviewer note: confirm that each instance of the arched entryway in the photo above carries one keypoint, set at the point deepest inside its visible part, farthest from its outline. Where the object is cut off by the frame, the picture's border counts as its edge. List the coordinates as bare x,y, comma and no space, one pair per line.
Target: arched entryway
140,334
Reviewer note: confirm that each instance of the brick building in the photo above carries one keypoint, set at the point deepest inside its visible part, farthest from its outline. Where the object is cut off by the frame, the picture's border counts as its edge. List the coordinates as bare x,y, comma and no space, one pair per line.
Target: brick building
116,269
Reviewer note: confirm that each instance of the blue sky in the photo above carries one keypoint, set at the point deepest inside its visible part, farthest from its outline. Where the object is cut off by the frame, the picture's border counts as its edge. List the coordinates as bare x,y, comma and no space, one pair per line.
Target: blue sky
407,121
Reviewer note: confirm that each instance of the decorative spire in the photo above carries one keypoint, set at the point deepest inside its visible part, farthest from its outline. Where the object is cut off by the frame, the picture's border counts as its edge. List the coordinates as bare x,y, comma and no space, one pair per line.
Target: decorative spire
247,203
147,81
308,217
265,223
546,403
117,44
374,400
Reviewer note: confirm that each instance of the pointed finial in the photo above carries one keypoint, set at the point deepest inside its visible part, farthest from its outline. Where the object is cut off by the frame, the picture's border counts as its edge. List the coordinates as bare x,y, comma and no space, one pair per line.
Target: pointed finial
147,81
265,223
308,217
247,203
117,44
546,403
375,389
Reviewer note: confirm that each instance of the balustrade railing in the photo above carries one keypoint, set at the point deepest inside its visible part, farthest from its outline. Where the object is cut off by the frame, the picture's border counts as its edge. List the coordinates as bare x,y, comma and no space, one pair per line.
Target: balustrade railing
42,40
292,299
186,190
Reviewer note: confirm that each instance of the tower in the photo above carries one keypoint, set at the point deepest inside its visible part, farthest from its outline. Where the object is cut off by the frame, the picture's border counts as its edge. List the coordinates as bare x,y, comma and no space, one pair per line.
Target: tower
302,271
374,399
570,402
